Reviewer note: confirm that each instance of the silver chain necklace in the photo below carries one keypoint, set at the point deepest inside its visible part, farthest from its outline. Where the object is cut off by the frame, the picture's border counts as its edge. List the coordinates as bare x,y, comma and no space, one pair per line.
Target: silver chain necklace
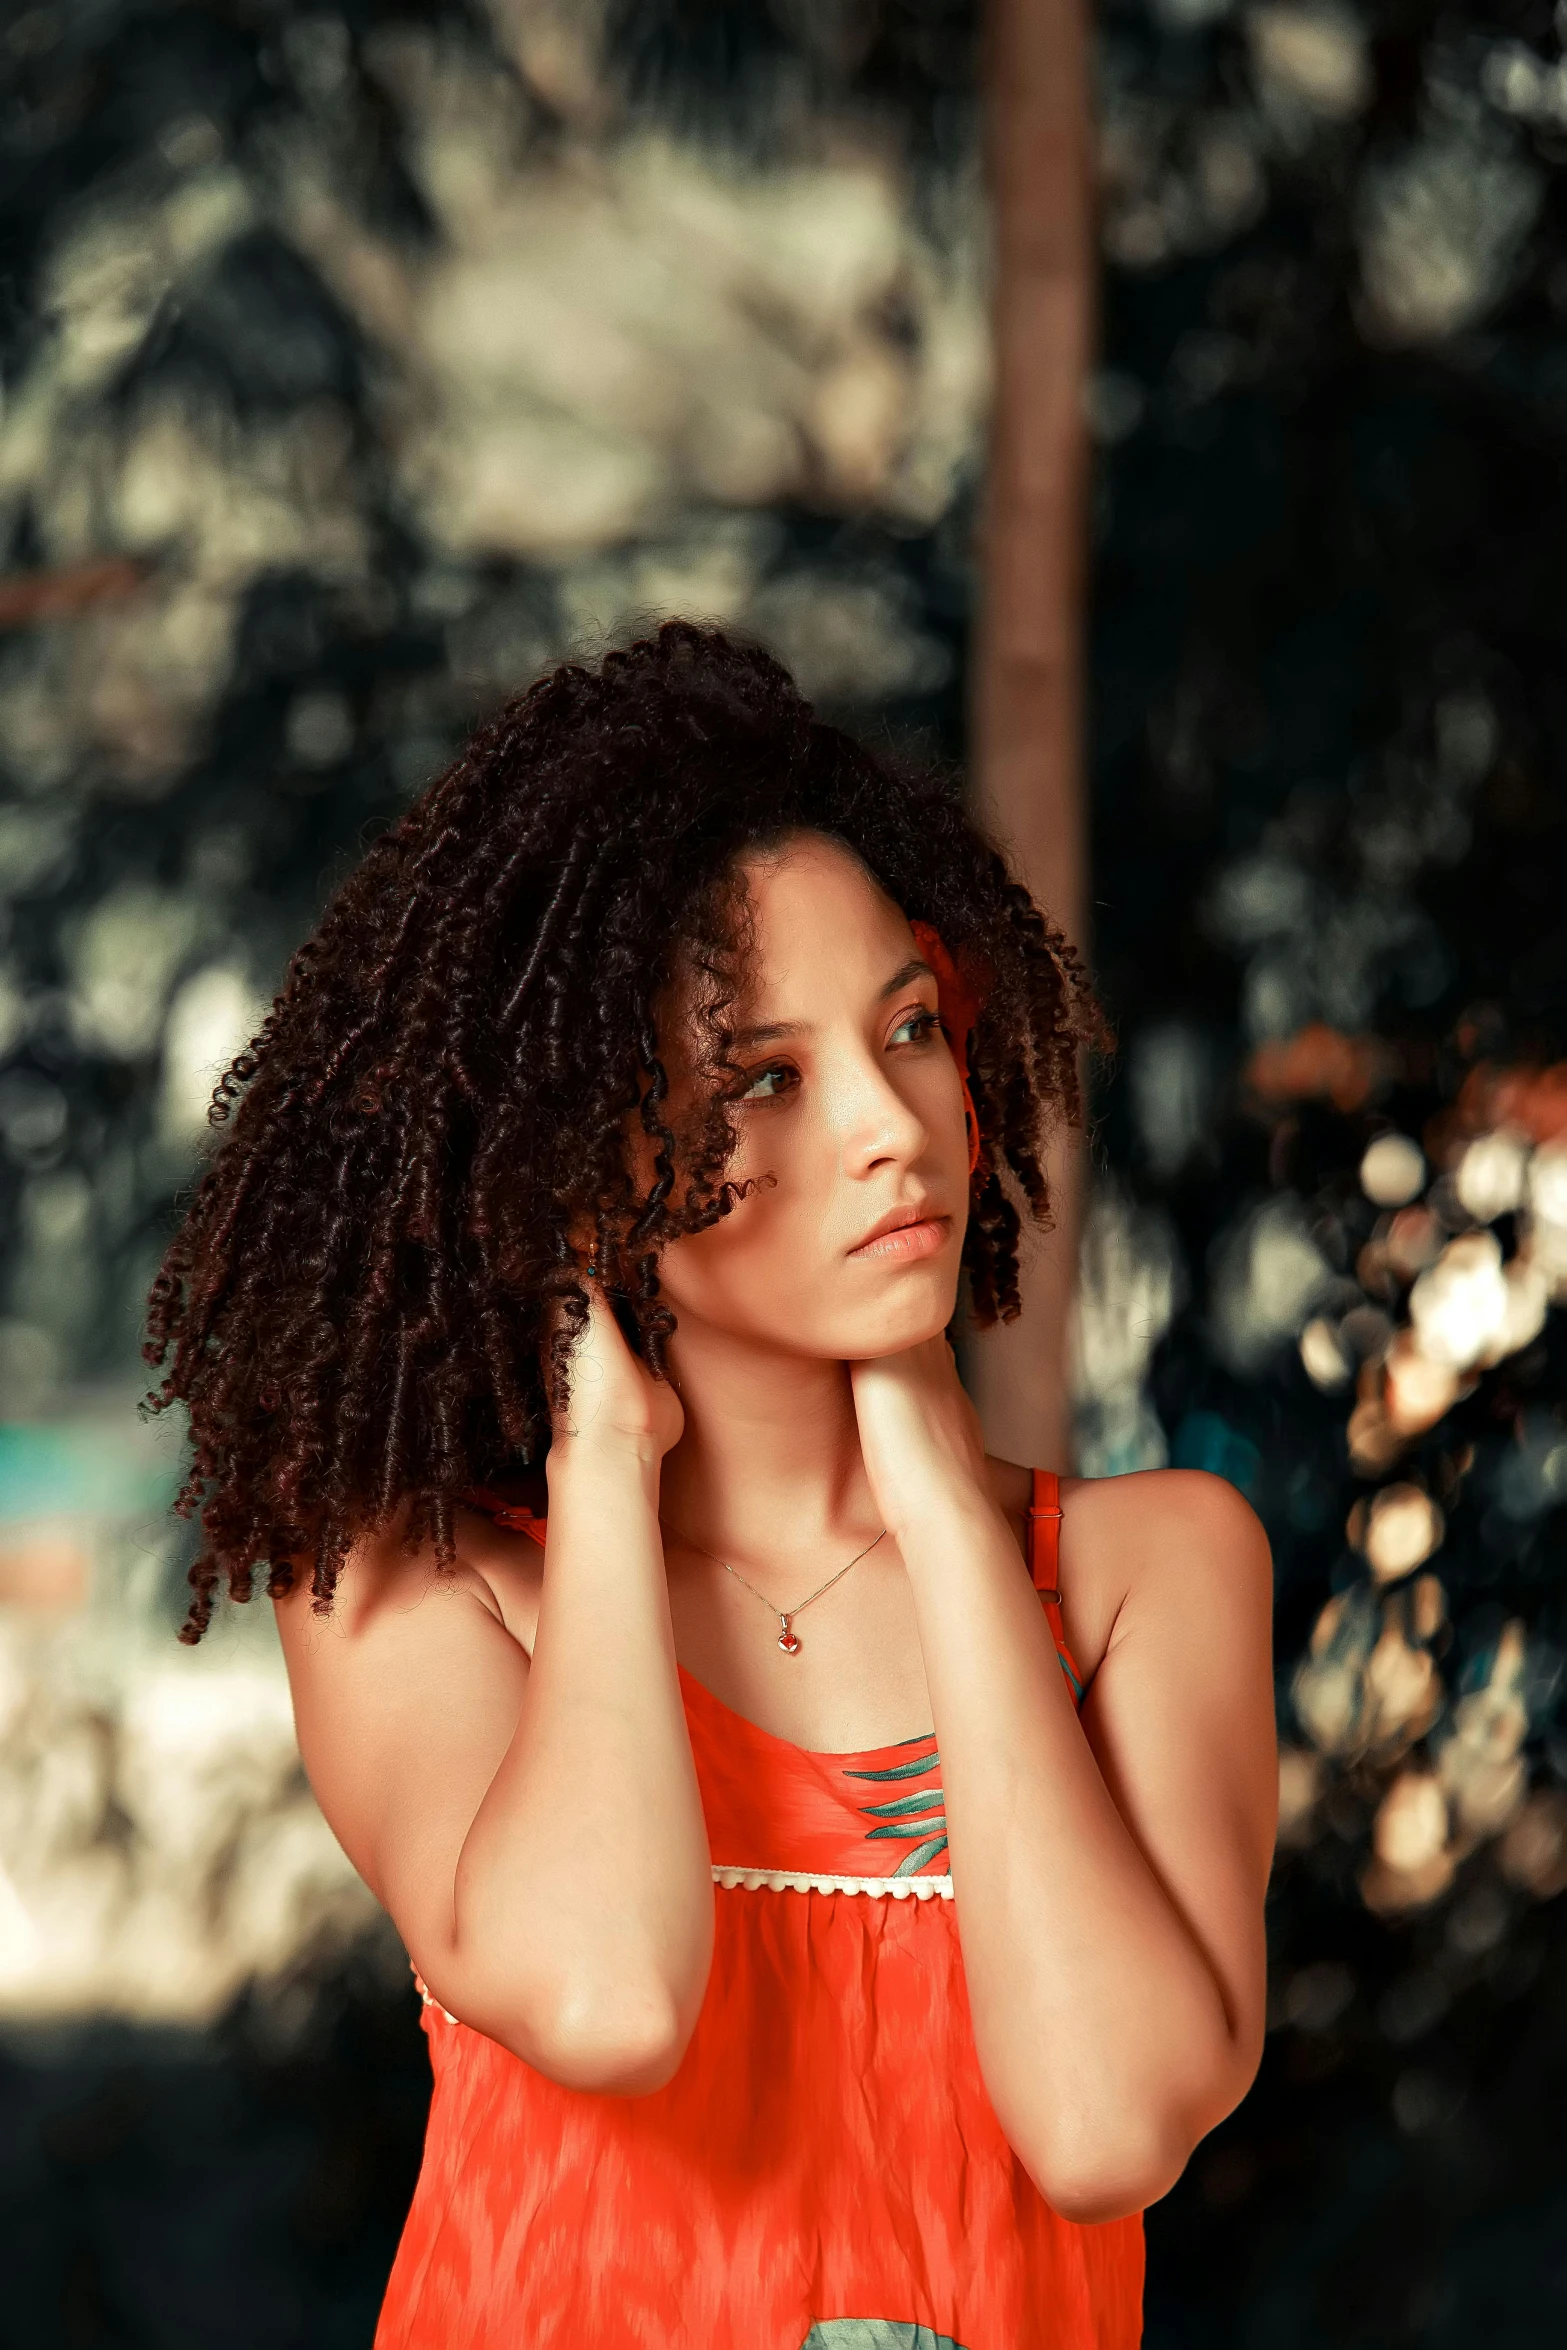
788,1638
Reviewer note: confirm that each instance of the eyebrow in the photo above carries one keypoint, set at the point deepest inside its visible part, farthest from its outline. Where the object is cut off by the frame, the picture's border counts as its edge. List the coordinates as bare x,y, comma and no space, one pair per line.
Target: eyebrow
772,1032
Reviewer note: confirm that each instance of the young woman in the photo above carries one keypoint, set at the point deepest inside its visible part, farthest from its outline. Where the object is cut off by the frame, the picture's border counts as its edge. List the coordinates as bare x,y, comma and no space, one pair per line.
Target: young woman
832,1859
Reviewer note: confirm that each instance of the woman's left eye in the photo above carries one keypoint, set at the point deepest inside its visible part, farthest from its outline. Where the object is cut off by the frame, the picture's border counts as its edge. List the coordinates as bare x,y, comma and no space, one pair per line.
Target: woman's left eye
923,1024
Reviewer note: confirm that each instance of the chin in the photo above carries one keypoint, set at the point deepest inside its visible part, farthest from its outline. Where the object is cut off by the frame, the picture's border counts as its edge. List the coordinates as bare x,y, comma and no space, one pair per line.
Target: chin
898,1323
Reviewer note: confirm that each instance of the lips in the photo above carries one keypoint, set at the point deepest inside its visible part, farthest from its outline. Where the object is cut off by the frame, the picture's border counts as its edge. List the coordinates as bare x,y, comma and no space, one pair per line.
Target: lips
907,1232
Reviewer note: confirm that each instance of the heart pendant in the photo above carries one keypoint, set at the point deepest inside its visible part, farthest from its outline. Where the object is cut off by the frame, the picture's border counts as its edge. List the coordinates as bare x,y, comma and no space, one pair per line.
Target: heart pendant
788,1643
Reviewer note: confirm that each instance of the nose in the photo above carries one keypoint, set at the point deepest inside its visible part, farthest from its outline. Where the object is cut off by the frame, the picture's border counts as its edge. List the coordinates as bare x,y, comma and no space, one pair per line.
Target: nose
875,1126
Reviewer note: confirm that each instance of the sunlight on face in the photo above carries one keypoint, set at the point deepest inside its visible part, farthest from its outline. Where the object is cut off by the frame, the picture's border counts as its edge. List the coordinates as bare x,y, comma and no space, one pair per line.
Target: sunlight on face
851,1121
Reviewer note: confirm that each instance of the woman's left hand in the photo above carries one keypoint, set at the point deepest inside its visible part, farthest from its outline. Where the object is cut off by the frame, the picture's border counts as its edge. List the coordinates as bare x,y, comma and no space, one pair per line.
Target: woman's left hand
919,1433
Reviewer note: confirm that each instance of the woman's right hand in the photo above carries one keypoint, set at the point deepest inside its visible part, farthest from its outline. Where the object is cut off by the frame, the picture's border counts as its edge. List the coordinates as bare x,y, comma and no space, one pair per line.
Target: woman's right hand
612,1397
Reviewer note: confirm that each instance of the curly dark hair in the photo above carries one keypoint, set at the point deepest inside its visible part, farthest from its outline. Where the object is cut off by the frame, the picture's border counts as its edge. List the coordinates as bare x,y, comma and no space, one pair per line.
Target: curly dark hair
431,1123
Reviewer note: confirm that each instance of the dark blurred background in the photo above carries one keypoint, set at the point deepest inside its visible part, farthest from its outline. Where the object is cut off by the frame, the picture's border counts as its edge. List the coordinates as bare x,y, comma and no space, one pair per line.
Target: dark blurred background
356,362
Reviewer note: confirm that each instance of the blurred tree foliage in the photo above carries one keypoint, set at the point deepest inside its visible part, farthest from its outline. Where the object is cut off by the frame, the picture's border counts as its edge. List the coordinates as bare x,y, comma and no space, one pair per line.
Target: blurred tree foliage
357,360
1331,829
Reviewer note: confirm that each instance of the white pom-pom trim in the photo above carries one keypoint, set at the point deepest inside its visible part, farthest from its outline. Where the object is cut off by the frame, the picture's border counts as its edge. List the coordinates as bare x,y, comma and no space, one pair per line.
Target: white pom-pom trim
429,1997
798,1881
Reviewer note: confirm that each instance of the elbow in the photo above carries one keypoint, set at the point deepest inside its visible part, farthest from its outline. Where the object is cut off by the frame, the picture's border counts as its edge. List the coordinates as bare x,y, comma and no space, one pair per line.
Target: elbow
1093,2184
1111,2172
612,2016
618,2041
1131,2140
1093,2191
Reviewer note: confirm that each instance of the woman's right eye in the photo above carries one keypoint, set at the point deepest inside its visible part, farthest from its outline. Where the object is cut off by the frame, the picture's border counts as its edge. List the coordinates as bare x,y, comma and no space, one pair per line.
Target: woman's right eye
768,1083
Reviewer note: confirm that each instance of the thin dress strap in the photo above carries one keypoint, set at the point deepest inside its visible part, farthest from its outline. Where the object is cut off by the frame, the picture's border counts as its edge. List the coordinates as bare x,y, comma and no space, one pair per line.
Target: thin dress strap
513,1517
1044,1562
1044,1535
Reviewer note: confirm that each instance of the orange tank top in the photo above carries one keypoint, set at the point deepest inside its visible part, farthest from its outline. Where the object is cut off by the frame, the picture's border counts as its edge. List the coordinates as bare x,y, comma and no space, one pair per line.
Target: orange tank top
825,2170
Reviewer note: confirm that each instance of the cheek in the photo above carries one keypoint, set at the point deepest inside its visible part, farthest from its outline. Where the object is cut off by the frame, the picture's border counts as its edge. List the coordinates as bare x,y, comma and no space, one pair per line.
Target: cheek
762,1261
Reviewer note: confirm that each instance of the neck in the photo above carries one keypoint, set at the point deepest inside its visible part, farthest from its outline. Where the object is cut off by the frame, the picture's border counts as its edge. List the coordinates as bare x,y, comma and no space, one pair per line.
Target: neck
770,1459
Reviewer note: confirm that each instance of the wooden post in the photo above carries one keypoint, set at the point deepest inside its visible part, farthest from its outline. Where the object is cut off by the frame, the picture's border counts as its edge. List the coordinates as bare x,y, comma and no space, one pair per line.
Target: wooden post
1027,712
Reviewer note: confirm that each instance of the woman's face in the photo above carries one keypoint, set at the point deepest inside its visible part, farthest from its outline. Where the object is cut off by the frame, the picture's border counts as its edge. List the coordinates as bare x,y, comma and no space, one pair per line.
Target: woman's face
850,1122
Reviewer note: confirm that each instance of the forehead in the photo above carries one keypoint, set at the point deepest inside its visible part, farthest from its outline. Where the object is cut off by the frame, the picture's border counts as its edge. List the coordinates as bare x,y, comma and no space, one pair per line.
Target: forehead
820,924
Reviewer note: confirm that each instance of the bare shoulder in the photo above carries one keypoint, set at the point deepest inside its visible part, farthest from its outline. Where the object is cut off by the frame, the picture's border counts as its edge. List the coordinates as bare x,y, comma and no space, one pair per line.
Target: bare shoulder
1177,1535
383,1576
1143,1546
499,1570
1164,1501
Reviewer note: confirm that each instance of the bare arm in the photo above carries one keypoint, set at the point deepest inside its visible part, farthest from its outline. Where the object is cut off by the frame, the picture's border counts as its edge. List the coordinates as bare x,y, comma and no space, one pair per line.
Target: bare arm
535,1830
1110,1871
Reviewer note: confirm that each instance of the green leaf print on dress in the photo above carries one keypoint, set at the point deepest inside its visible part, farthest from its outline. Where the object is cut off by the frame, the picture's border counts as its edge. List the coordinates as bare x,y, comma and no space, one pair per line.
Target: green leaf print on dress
874,2333
921,1814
